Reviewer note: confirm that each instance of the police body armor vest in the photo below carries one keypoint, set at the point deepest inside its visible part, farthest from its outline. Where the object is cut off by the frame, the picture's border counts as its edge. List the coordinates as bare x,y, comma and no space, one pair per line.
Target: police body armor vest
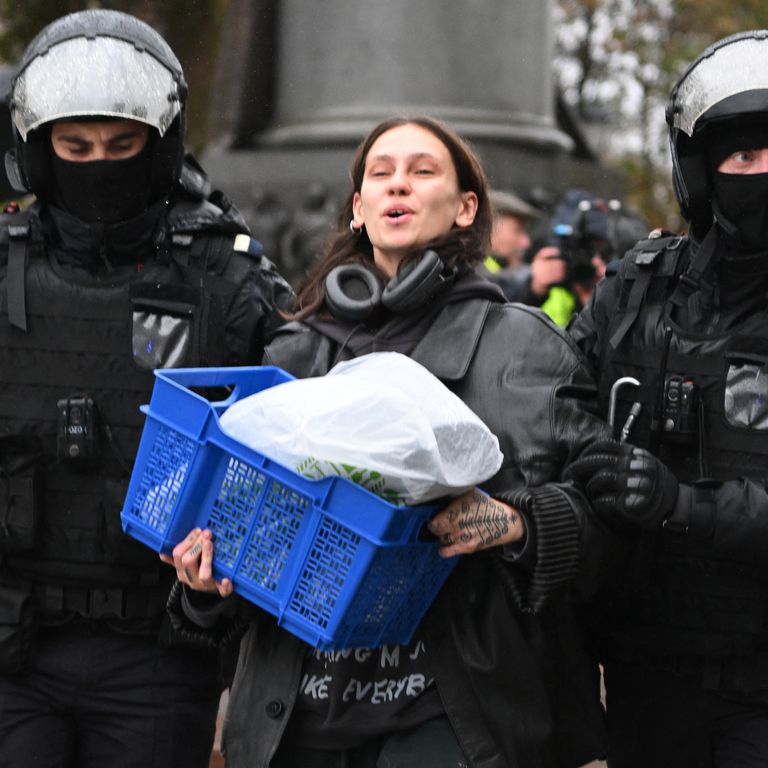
76,356
704,412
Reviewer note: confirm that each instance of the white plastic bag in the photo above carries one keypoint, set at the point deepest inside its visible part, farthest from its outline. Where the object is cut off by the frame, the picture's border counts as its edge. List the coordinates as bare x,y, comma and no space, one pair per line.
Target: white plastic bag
381,420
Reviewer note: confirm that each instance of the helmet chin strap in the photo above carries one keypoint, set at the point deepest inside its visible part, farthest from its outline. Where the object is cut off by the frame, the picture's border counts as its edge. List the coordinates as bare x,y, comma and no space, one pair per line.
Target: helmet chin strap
13,172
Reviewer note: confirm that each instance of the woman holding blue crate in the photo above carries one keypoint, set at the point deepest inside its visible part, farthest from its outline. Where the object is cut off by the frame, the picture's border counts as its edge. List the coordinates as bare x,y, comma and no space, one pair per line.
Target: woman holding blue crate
497,674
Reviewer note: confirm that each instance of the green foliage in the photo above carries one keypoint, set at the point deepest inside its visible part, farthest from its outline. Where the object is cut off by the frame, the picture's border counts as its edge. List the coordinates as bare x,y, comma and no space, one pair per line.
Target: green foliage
649,191
713,19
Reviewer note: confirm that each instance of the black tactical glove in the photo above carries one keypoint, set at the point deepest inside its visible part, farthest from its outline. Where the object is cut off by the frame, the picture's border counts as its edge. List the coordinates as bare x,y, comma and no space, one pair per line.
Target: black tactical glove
625,484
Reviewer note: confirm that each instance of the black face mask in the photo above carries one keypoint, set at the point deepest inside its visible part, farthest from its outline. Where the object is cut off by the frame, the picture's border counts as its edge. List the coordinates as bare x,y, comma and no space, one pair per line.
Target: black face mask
741,204
103,191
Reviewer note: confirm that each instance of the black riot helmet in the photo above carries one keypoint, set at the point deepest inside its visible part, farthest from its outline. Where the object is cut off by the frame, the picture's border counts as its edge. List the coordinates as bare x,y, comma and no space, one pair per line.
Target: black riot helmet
726,85
96,64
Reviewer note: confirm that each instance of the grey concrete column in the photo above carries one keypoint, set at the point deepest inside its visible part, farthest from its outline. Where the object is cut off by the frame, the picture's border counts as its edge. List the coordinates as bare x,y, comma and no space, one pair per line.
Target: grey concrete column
300,82
482,65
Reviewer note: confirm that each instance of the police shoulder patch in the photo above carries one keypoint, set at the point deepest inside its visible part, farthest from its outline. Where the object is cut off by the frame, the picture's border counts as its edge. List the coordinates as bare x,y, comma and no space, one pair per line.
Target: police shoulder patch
248,245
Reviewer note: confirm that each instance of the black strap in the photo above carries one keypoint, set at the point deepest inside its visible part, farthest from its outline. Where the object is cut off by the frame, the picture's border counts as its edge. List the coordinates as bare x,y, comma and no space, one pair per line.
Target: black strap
97,603
181,245
644,257
689,364
15,284
690,280
187,253
635,301
738,441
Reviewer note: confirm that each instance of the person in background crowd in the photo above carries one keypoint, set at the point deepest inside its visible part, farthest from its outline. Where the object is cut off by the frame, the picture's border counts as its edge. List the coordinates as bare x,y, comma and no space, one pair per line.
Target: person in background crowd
510,238
505,265
580,237
677,334
126,262
504,678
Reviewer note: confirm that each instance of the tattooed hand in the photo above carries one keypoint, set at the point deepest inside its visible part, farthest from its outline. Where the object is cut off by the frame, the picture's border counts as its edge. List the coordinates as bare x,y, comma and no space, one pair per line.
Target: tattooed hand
193,560
475,521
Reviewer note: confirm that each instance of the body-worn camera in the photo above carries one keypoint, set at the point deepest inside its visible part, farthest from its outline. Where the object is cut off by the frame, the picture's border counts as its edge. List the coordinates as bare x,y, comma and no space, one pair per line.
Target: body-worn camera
681,406
78,433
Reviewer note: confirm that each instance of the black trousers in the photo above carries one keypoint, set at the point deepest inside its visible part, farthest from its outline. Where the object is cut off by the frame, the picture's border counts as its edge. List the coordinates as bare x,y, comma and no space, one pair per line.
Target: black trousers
432,745
663,719
95,697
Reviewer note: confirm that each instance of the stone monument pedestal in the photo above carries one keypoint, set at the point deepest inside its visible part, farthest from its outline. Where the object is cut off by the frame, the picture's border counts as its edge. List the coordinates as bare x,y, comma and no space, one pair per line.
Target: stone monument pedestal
299,84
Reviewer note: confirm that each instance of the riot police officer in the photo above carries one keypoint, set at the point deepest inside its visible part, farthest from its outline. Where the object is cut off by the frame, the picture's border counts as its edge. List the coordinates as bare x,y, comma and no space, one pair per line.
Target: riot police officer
678,335
126,262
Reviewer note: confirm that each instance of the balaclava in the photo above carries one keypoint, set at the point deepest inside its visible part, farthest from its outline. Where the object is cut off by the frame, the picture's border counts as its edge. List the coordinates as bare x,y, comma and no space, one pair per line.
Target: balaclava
740,201
103,191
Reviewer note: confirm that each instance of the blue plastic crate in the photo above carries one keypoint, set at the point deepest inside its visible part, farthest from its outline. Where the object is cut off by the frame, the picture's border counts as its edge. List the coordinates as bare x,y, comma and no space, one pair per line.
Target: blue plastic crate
337,565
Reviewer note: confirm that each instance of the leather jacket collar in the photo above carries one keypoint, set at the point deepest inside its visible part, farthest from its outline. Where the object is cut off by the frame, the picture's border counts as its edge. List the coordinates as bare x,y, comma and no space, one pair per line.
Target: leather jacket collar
458,329
442,338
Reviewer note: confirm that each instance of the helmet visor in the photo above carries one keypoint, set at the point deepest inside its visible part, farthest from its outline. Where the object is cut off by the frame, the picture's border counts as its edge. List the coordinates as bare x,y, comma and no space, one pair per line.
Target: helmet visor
729,70
99,76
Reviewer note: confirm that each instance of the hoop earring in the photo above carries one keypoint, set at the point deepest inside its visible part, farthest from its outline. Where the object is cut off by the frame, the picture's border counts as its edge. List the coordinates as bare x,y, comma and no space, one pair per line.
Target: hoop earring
353,230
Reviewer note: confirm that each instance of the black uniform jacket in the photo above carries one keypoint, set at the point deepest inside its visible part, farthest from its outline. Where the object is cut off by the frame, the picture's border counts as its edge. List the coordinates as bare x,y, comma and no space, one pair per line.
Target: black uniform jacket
89,309
697,589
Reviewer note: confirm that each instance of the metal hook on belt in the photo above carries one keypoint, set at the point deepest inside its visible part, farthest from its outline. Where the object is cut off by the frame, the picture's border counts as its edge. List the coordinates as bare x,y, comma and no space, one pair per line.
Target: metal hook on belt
633,412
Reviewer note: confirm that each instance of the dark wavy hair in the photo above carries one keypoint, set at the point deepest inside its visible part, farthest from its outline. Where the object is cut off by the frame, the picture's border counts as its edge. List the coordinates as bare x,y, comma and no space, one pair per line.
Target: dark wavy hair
466,245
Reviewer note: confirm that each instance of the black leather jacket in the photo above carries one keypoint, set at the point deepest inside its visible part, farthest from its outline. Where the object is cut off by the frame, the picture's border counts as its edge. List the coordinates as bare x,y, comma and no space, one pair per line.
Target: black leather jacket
503,644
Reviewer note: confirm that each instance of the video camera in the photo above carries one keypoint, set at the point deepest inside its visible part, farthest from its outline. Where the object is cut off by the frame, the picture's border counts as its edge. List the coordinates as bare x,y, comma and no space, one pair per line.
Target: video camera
582,231
584,225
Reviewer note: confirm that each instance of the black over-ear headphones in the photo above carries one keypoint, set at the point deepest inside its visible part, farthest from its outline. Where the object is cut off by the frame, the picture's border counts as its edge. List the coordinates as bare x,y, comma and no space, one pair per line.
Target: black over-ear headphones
353,292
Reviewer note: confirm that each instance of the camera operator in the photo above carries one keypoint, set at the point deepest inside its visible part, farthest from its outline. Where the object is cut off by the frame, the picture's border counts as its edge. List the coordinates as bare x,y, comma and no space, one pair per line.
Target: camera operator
583,234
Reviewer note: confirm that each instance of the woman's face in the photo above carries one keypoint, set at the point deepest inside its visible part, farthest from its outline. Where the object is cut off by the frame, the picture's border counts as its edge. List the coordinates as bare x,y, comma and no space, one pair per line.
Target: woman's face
409,194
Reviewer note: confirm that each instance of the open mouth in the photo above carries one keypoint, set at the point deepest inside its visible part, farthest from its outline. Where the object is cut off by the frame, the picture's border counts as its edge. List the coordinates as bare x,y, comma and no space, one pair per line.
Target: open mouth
396,213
